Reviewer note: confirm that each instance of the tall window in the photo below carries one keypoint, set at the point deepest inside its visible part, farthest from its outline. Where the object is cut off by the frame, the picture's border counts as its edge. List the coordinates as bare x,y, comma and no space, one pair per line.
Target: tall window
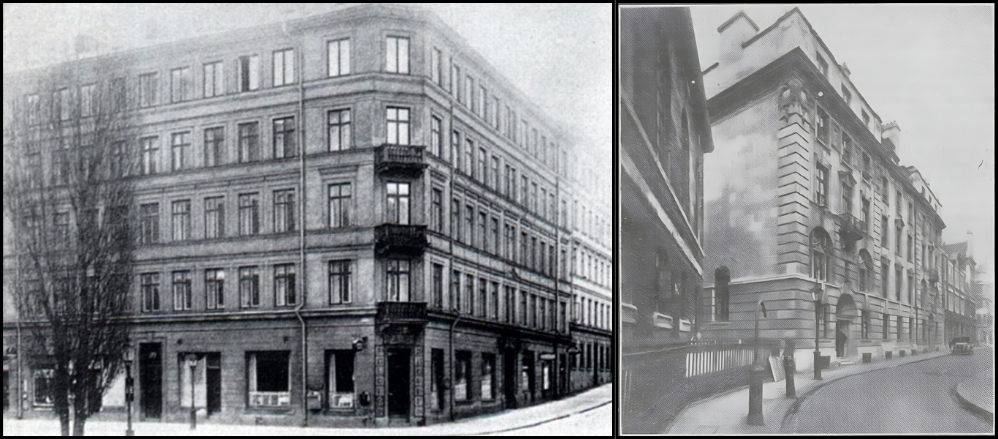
469,94
214,147
150,292
524,190
488,377
462,376
249,73
469,156
897,282
148,87
469,295
469,225
482,230
865,268
339,205
182,220
87,102
911,288
398,280
523,308
339,57
269,379
496,118
437,210
339,282
284,67
398,55
455,80
340,137
150,155
885,273
897,239
214,79
493,309
865,214
181,151
436,74
182,297
455,290
398,126
821,188
284,211
911,249
341,379
820,260
62,107
149,224
823,126
180,84
438,286
846,149
898,203
846,197
455,219
285,287
495,244
436,136
214,284
496,181
285,145
398,203
249,214
885,320
846,95
483,170
249,142
483,102
455,150
483,300
249,287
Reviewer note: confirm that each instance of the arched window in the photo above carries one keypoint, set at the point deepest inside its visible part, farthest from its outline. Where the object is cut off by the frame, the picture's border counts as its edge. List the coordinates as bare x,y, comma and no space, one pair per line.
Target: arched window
821,252
722,276
865,268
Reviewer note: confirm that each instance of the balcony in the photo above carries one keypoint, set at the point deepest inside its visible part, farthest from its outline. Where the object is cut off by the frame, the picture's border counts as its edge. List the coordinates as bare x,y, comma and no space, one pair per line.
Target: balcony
400,161
399,240
401,313
851,229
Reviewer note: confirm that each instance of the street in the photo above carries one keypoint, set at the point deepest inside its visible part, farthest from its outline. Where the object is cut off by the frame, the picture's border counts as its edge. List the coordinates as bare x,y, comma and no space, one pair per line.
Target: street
914,398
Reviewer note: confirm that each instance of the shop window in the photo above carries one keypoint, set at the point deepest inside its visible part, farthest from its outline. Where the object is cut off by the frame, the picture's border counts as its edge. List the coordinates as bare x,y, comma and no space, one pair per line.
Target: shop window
269,380
341,380
462,376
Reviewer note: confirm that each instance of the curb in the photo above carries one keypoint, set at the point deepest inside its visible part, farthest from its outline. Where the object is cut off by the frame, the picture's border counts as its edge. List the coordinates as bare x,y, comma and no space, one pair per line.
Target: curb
976,409
536,424
682,408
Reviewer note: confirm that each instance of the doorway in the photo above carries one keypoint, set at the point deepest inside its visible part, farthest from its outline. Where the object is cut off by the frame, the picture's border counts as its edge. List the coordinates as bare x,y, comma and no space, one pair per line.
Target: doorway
214,384
841,337
529,374
509,378
399,365
151,380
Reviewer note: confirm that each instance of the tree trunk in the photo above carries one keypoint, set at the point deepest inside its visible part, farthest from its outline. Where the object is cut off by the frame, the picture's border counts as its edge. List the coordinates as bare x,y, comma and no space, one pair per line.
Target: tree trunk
64,421
79,422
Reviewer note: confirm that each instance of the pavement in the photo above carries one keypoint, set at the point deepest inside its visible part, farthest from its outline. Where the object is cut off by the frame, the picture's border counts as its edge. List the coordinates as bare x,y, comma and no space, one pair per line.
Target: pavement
978,394
727,413
585,414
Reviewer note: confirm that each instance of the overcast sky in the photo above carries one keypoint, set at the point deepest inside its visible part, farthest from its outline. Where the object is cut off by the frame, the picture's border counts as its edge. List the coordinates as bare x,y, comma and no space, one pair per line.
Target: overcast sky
559,55
931,69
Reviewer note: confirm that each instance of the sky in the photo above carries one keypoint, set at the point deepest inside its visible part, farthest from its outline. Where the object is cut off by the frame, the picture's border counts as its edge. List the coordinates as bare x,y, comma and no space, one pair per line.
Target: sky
558,54
930,68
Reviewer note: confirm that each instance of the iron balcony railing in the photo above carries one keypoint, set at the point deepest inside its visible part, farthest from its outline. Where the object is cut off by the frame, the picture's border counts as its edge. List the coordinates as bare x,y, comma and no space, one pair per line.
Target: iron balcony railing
401,312
400,159
400,239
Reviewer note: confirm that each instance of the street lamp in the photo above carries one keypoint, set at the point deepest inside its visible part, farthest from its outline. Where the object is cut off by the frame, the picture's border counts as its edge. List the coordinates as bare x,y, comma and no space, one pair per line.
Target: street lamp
192,362
129,389
817,295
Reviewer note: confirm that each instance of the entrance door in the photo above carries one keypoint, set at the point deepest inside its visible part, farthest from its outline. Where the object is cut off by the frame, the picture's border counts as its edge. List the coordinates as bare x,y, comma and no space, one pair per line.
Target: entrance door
841,337
151,380
562,374
399,383
509,378
214,384
530,371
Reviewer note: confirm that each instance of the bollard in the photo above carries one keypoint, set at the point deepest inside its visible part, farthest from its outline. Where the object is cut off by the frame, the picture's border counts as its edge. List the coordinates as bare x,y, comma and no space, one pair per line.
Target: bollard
789,369
755,396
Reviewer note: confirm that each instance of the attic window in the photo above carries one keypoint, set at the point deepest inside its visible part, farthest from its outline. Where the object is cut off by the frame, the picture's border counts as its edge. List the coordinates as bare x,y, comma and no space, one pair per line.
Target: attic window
822,65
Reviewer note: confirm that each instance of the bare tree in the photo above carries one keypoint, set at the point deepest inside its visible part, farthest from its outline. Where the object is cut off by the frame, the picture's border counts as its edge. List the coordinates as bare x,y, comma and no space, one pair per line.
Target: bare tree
67,194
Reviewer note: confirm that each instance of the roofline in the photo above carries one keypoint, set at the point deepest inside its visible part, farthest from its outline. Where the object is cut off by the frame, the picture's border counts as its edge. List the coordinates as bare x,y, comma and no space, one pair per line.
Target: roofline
731,21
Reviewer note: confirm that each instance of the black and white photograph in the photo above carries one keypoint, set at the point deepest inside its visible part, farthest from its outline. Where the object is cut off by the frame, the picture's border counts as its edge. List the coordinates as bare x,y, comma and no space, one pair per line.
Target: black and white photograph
806,219
308,219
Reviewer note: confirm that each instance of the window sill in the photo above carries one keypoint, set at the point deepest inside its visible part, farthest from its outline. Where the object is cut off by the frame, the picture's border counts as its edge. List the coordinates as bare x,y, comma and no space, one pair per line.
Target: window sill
269,411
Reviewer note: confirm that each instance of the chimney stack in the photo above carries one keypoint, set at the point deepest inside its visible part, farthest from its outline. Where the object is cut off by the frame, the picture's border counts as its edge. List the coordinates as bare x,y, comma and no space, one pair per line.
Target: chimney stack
845,69
737,30
970,243
892,132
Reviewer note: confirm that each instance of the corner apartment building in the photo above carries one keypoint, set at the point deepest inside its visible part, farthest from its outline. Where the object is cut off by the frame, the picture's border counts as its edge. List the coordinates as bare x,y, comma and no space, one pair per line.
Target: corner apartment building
349,219
962,293
807,199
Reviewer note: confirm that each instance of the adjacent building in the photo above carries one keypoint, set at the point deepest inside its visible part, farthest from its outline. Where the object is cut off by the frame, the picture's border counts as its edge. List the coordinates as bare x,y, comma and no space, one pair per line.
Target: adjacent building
808,207
962,292
349,219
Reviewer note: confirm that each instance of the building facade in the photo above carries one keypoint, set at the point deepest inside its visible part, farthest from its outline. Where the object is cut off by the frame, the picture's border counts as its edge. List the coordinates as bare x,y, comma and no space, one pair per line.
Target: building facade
808,208
348,220
665,132
962,297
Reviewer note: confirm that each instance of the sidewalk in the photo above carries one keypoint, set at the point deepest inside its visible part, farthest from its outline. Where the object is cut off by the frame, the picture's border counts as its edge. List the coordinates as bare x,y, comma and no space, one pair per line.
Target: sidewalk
504,422
726,413
978,393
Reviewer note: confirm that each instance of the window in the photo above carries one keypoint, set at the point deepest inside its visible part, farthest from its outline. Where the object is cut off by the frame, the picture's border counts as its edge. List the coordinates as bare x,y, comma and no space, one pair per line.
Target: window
214,284
284,211
436,136
900,325
495,114
249,287
398,55
150,155
496,181
398,281
181,151
821,188
285,288
398,203
911,247
436,72
249,214
284,67
469,161
214,79
341,380
339,205
866,165
462,376
340,137
846,95
898,204
544,203
482,230
523,308
148,85
44,386
149,224
62,226
866,120
865,214
455,291
864,318
285,145
182,298
488,377
338,54
150,292
455,80
437,210
884,231
911,288
865,268
493,307
469,95
911,214
897,282
482,303
214,147
249,142
885,275
398,126
483,101
469,295
34,105
87,102
249,73
455,150
182,220
524,248
510,242
180,84
455,219
339,282
846,197
823,126
438,286
885,319
822,65
269,380
897,240
495,244
821,246
483,170
437,388
846,149
533,197
469,219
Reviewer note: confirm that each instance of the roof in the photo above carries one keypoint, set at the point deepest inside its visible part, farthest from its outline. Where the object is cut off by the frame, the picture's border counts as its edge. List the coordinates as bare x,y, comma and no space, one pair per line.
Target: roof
956,249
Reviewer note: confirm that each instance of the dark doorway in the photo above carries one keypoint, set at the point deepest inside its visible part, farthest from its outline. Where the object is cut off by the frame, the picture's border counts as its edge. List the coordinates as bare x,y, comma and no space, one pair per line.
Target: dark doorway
436,387
509,378
214,383
562,374
530,374
151,380
841,337
399,383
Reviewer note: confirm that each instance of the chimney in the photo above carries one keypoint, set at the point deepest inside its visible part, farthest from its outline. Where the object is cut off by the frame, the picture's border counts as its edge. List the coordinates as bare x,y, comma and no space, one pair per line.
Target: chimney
845,69
737,30
970,243
892,132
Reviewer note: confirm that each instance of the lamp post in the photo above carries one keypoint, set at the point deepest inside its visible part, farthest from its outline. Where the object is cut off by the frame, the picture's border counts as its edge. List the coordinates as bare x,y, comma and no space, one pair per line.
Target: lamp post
192,362
817,295
129,390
